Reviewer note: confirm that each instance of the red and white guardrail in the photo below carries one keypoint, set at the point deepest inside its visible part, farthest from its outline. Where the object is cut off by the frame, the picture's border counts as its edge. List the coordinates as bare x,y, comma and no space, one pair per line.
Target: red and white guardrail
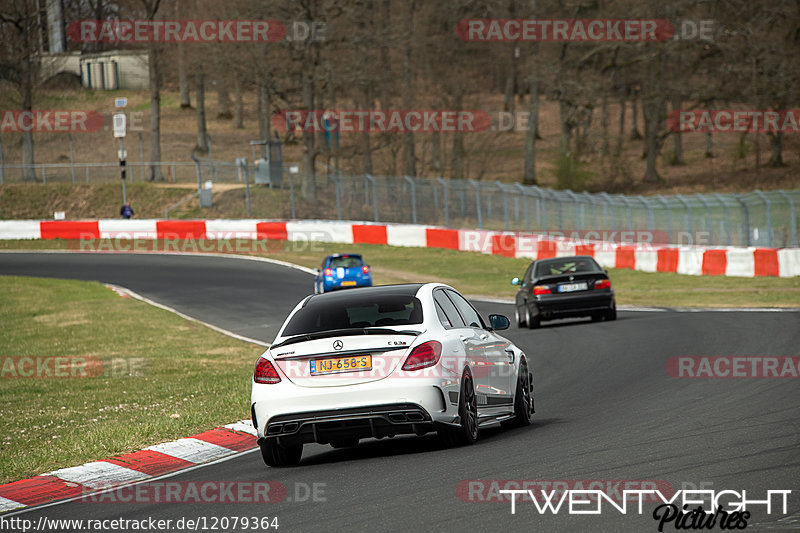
692,260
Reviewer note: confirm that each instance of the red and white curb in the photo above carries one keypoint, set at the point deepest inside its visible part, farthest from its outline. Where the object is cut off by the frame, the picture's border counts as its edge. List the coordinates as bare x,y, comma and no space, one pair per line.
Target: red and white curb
692,260
129,468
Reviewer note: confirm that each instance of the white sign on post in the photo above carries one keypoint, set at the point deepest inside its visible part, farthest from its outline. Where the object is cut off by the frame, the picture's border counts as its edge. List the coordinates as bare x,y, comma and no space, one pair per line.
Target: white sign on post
119,125
121,102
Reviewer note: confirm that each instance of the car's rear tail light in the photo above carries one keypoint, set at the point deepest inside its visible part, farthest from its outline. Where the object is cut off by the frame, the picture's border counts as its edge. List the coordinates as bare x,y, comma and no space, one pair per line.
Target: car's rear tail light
328,272
602,284
541,289
265,372
365,269
423,356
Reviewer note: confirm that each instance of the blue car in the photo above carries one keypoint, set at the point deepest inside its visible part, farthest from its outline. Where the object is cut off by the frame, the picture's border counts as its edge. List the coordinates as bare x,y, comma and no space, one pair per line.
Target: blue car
342,271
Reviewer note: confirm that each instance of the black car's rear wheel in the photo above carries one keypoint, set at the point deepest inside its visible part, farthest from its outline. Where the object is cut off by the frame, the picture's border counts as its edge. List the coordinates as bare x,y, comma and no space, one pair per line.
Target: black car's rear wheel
467,432
521,317
275,454
611,314
533,321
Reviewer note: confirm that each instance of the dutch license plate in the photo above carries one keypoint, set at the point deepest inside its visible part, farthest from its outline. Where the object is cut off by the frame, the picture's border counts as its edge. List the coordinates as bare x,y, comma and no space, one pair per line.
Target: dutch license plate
348,283
572,287
354,363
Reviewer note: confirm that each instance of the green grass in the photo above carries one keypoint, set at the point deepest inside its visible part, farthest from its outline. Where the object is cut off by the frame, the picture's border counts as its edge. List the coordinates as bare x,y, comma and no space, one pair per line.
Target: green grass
489,275
163,377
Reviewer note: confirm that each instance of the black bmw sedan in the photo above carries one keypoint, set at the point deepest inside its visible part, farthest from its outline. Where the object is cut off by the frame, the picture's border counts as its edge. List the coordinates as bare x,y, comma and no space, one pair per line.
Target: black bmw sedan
564,287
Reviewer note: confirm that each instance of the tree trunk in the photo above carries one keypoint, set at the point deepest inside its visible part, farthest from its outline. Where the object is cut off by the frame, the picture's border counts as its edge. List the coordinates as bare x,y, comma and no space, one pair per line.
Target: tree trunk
677,141
366,146
202,131
264,111
183,77
436,152
529,174
652,121
223,100
155,113
309,185
621,134
409,157
605,148
457,155
26,90
238,108
776,143
709,153
565,111
635,134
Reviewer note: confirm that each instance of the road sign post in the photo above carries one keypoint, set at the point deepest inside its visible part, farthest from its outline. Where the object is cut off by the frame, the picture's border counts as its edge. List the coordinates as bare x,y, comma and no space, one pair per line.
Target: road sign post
119,132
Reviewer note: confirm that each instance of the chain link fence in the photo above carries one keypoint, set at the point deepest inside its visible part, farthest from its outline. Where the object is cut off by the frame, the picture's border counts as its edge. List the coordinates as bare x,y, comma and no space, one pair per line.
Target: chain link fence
768,218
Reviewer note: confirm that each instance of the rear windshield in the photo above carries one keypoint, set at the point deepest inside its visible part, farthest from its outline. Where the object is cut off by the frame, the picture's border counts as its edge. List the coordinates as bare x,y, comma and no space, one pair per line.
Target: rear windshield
566,266
361,312
345,262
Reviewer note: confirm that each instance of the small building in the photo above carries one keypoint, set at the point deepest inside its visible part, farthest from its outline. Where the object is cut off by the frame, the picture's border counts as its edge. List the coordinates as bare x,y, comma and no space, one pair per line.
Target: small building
116,69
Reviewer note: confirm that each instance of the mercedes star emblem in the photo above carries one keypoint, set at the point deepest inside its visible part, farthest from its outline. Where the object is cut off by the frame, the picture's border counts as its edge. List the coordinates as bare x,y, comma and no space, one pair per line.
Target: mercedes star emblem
337,345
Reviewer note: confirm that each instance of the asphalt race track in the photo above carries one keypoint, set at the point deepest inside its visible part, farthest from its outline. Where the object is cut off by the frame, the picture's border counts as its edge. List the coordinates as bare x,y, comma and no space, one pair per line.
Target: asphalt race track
606,410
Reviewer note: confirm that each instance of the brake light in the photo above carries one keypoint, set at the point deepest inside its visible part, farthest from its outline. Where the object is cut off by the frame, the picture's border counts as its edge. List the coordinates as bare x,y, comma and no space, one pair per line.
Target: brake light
365,269
265,373
602,284
328,272
423,356
541,289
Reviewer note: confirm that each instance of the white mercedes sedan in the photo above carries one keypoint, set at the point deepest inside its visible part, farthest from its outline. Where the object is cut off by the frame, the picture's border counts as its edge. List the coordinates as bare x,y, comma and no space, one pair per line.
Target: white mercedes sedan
382,361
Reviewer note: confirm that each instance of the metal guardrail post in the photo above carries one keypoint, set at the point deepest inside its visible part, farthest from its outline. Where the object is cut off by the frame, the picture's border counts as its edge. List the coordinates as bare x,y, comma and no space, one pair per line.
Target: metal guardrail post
669,217
746,218
792,229
688,215
477,188
721,200
197,171
608,202
71,157
505,203
592,201
575,201
44,175
630,210
708,218
524,193
768,213
651,223
87,174
541,208
445,200
410,180
374,196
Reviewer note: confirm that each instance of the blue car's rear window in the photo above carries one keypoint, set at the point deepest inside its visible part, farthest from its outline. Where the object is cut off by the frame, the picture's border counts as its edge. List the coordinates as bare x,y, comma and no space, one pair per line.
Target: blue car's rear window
348,261
355,312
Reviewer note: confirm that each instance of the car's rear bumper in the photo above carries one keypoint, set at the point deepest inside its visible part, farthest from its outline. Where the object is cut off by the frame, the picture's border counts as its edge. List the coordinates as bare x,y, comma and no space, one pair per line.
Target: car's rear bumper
332,285
571,305
379,408
330,425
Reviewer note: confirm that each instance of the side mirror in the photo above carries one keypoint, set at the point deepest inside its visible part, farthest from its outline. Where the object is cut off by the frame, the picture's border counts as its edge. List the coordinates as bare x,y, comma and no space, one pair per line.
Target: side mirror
606,271
316,271
515,281
499,322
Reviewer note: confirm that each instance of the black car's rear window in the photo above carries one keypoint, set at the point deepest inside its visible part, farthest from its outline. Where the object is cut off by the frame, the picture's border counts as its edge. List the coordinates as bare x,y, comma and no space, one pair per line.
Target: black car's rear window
357,312
566,266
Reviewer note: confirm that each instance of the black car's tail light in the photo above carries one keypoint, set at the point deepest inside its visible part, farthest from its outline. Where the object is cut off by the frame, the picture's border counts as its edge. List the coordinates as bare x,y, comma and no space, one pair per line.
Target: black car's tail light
425,355
602,284
265,373
541,289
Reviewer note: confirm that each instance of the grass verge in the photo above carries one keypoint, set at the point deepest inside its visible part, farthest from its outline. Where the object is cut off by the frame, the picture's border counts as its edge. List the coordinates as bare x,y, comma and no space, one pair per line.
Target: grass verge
490,275
162,377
